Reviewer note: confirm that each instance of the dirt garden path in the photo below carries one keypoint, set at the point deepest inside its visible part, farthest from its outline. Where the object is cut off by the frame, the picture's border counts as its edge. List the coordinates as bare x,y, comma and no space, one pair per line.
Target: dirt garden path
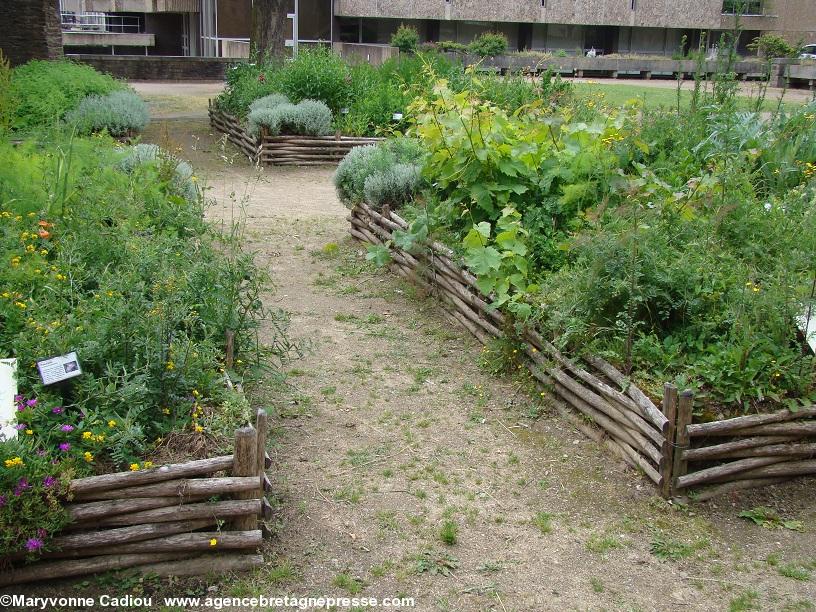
393,429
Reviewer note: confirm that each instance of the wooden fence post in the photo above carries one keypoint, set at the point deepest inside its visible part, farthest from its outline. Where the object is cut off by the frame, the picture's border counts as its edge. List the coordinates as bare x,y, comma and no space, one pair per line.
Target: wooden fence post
262,427
667,462
246,464
681,436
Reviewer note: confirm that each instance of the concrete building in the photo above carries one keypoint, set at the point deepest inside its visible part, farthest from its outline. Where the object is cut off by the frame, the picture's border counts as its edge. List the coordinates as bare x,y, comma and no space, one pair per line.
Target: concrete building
575,26
220,28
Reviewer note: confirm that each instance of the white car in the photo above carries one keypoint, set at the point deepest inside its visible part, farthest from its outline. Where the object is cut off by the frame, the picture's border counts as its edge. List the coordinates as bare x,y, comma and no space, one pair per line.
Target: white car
808,52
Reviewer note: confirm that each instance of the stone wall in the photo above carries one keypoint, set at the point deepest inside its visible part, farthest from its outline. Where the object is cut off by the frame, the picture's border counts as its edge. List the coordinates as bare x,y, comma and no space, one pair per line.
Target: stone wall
30,29
646,13
155,68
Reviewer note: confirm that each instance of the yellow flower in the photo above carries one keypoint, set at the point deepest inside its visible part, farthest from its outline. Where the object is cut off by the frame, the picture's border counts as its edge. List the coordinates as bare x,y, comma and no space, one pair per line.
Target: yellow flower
170,366
87,435
213,542
29,432
30,248
100,438
199,428
134,467
14,462
20,305
61,277
111,423
195,393
147,465
166,410
88,456
43,252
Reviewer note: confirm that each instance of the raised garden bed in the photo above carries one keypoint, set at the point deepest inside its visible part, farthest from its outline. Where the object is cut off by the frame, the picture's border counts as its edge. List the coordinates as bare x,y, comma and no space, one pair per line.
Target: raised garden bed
286,150
681,458
160,520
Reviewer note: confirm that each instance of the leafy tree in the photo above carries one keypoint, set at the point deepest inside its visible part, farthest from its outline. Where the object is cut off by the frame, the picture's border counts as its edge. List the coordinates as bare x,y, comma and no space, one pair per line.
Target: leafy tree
771,46
406,39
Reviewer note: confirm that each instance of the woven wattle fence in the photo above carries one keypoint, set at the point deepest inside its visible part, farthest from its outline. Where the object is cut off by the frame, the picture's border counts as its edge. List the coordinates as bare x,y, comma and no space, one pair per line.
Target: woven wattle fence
162,520
286,150
697,461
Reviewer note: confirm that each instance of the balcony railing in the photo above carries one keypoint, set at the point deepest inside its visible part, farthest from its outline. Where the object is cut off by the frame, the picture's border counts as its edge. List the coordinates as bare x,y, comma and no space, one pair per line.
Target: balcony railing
101,22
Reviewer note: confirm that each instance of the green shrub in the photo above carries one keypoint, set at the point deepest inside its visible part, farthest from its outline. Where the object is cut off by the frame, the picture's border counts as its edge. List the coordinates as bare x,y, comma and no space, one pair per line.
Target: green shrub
45,91
317,74
372,160
773,46
489,44
121,113
105,256
183,180
364,99
270,102
451,46
247,82
307,118
394,187
406,39
676,244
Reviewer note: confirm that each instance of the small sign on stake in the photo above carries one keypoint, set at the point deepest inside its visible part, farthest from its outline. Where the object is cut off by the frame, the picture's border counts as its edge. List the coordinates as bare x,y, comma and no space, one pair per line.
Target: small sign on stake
58,369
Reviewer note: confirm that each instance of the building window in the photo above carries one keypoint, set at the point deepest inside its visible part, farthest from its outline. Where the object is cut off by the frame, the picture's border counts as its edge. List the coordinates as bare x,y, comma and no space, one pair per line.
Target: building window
742,7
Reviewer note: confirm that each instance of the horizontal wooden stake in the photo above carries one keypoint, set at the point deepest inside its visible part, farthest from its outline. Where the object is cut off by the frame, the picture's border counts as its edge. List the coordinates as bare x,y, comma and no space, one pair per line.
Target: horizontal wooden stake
737,485
100,509
728,449
738,424
200,541
724,470
80,567
215,565
158,474
184,487
216,511
135,533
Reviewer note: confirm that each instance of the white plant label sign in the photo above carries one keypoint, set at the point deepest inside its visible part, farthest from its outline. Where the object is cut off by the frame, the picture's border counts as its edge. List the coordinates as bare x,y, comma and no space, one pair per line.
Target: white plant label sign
8,389
60,368
807,325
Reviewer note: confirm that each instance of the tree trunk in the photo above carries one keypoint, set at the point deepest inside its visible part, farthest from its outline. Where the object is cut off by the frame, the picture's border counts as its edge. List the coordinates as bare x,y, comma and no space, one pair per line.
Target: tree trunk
269,25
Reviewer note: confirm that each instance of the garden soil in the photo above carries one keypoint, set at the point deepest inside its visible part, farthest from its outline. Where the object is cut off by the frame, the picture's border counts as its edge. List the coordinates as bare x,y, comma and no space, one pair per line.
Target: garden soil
389,429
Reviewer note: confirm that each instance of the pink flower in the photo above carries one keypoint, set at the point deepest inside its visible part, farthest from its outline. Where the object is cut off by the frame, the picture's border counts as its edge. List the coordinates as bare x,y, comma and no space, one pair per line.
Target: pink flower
31,403
34,544
41,533
65,447
67,428
2,500
21,427
49,481
57,410
18,398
